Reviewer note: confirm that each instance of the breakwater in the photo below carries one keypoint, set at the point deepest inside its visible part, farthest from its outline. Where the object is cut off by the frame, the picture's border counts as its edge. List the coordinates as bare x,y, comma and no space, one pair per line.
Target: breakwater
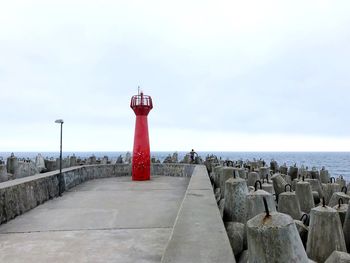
279,213
20,195
14,167
337,163
270,210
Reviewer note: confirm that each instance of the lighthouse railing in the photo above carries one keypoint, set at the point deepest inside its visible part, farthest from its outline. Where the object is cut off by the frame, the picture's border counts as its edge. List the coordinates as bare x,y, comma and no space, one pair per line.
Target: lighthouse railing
141,100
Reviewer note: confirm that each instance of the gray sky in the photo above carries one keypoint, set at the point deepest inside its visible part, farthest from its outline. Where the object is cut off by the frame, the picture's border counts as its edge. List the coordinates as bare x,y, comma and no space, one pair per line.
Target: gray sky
223,75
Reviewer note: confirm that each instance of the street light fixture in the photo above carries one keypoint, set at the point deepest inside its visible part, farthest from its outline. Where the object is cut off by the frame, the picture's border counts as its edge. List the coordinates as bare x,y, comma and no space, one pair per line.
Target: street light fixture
60,177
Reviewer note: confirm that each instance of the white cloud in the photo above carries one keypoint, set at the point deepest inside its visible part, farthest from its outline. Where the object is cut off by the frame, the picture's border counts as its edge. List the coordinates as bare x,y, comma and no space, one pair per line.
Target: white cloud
247,69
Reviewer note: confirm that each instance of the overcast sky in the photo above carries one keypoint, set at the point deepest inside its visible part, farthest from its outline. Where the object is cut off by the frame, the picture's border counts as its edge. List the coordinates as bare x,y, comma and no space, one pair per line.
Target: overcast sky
223,75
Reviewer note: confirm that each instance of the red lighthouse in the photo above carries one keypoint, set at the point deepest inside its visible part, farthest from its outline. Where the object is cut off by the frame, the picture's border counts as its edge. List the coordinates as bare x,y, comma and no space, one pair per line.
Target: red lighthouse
141,161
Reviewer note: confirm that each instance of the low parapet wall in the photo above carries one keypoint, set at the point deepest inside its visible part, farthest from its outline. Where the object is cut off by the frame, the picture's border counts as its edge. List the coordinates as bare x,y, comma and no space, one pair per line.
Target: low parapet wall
20,195
199,234
172,169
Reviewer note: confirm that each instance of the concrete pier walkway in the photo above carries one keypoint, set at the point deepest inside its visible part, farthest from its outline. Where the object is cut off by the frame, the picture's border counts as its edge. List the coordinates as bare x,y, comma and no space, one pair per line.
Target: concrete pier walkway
103,220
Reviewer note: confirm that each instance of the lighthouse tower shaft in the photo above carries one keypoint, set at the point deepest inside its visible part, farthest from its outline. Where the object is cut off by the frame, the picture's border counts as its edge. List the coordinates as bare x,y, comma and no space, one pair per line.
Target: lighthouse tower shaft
141,161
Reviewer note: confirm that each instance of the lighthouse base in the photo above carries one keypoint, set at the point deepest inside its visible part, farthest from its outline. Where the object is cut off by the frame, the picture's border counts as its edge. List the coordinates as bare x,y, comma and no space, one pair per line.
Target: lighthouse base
142,174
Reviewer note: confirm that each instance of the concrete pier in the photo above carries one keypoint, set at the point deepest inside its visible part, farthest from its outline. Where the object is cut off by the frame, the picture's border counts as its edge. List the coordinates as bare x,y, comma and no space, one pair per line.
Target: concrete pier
105,220
170,218
184,216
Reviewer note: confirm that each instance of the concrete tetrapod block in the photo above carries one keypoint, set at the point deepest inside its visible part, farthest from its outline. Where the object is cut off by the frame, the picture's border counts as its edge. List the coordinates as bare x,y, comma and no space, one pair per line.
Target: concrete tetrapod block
274,238
243,258
341,181
221,207
346,229
288,203
3,173
236,191
217,172
287,178
302,172
336,196
341,209
255,203
329,190
325,233
293,172
305,197
274,166
338,257
241,172
316,197
217,194
252,178
294,183
314,174
263,172
284,169
278,183
303,231
324,176
12,164
237,235
268,188
226,173
315,186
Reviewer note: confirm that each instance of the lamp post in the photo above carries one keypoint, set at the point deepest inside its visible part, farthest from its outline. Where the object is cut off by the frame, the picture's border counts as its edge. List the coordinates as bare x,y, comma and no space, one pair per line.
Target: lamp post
60,177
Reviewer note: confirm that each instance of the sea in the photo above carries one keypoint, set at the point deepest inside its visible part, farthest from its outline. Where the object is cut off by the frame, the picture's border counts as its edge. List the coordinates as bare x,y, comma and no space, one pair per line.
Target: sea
337,163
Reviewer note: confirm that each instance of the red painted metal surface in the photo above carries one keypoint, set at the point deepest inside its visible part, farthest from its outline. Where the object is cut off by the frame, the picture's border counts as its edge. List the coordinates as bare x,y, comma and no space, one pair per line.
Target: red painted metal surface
141,161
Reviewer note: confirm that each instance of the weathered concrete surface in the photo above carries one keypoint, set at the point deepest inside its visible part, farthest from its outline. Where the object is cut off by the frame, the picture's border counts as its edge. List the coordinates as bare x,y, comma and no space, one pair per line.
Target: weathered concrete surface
111,245
268,187
255,203
104,220
274,239
329,189
304,195
341,209
20,195
336,196
338,257
324,176
315,186
244,257
324,225
235,209
346,229
237,235
303,231
288,203
226,173
252,178
172,169
278,183
199,234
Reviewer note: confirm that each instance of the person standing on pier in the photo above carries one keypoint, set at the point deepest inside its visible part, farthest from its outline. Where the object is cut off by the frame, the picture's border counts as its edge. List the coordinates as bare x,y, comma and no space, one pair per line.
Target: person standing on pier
192,154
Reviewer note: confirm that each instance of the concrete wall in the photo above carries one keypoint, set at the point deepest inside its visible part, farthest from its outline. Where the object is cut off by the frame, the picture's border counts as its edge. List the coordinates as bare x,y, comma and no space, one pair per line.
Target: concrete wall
20,195
172,169
199,234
